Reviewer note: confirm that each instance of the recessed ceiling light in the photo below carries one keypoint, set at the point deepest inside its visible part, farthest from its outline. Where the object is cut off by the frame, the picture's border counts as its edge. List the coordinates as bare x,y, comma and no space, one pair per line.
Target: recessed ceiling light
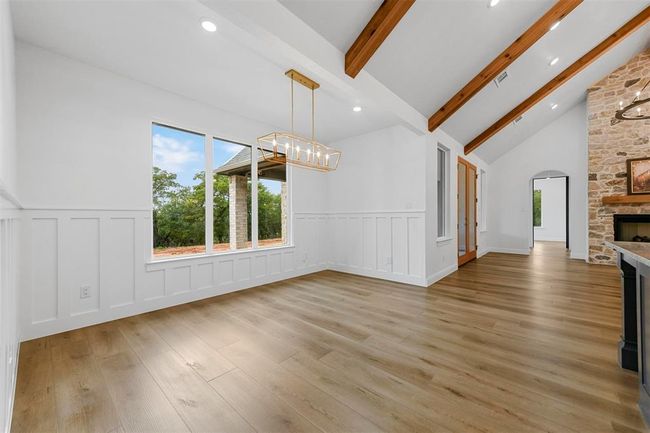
493,3
208,26
553,106
554,61
356,108
554,26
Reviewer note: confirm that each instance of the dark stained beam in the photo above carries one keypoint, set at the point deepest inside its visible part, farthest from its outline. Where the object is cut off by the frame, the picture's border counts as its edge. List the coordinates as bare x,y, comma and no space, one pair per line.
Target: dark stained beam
612,40
543,25
377,30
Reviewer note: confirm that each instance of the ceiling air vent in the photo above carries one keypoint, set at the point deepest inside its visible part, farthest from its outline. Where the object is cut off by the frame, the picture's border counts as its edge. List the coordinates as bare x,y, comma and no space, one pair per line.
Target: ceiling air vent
499,79
517,120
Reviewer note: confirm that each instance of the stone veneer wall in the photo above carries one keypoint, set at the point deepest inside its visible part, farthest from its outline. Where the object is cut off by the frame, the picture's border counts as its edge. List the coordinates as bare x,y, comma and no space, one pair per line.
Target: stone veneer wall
610,147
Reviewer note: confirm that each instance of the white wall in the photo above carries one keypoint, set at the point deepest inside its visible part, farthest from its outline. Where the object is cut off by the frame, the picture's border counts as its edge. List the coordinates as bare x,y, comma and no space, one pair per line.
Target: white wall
560,147
553,191
85,180
376,206
383,198
442,255
9,222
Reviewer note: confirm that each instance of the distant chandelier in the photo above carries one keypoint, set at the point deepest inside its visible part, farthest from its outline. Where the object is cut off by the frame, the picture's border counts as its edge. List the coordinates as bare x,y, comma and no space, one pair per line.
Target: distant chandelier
633,110
290,148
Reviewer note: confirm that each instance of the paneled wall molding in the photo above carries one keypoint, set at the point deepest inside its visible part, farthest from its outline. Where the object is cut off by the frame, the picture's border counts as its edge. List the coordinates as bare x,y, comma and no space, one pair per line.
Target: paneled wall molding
9,336
84,267
387,245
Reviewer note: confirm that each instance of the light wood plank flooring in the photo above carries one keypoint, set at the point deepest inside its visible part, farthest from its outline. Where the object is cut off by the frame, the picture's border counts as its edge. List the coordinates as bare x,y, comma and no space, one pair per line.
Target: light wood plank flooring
507,344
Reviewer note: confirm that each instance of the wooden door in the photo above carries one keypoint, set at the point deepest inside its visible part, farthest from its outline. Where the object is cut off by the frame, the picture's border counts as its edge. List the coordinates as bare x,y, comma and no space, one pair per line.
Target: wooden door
467,221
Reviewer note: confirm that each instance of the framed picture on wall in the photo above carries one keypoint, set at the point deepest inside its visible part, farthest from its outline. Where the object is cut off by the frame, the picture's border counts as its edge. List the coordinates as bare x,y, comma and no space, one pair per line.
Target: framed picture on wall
638,176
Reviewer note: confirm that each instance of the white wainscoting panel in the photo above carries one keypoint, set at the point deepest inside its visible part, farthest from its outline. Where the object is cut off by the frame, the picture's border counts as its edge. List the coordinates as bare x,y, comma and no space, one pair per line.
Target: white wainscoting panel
387,245
9,336
107,254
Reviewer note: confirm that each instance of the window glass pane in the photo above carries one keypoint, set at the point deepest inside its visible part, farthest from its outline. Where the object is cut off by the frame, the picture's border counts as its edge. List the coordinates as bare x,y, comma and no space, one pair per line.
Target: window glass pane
537,208
232,196
178,192
441,191
271,203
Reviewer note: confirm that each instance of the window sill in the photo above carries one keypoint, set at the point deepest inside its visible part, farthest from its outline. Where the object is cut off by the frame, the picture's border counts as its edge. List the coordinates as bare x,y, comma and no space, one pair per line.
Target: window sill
443,240
151,263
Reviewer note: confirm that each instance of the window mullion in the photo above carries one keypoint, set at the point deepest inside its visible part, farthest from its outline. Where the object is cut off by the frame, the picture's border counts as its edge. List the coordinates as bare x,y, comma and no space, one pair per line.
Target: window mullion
254,190
209,195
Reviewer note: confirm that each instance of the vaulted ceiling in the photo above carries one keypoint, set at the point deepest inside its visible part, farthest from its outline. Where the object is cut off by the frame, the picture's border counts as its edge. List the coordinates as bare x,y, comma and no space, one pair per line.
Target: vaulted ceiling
436,48
439,46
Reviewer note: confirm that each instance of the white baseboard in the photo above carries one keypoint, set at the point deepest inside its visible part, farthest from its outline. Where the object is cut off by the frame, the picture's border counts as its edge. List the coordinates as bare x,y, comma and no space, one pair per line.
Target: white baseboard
580,255
399,278
441,274
525,252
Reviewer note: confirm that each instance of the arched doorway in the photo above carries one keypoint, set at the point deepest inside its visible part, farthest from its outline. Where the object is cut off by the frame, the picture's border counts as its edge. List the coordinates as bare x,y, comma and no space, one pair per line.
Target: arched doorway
549,215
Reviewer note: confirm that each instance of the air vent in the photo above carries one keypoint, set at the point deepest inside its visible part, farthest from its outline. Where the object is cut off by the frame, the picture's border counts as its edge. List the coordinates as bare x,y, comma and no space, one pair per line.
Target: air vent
499,79
517,120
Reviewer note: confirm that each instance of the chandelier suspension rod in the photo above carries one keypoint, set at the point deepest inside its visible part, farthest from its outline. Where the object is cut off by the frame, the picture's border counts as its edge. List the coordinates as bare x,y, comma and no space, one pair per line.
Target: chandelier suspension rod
313,128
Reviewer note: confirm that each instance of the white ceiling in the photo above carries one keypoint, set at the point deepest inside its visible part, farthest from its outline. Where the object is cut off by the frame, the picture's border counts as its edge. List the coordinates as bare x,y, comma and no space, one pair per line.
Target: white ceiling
162,43
437,47
440,45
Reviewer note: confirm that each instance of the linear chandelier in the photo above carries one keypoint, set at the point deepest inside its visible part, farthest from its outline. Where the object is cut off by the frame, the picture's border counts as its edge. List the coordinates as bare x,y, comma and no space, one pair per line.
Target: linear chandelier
632,111
290,148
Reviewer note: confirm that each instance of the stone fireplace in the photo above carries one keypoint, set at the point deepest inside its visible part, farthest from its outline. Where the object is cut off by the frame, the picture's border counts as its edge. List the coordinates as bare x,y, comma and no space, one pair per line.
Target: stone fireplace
609,149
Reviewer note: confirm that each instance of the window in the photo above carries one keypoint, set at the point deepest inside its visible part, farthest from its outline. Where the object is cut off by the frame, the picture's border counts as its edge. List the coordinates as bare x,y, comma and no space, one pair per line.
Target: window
190,217
442,190
537,208
483,199
178,192
272,203
231,206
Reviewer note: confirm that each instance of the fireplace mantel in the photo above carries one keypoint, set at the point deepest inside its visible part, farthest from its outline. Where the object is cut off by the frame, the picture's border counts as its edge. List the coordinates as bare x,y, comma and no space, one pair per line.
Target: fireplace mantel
626,199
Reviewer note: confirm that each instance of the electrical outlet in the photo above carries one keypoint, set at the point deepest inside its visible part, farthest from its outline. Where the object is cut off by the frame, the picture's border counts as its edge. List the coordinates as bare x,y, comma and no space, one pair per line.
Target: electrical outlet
84,292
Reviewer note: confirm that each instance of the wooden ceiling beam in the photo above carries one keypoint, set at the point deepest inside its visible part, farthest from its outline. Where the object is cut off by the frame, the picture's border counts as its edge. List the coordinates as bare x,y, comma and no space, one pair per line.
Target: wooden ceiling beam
543,25
612,40
373,35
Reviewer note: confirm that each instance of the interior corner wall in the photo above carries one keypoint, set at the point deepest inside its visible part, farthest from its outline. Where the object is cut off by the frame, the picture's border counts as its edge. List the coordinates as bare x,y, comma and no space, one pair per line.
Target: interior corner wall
9,222
442,255
84,180
376,206
560,146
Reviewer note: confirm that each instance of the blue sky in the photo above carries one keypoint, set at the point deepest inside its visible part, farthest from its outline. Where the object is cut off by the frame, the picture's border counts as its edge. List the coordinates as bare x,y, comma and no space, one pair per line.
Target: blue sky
182,152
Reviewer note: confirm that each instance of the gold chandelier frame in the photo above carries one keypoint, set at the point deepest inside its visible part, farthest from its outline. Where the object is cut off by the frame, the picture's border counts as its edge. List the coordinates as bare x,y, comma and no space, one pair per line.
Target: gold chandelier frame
289,148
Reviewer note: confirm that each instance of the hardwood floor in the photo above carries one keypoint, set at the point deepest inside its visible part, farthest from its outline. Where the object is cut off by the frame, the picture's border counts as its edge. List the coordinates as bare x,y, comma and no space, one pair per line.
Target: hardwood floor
506,344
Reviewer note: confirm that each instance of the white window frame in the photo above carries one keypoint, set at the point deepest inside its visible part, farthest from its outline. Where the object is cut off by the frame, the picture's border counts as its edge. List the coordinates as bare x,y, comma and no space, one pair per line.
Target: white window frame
444,213
209,193
483,199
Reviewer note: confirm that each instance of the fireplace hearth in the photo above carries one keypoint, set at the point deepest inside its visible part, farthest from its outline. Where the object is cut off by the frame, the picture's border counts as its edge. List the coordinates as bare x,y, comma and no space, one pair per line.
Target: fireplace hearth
632,228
